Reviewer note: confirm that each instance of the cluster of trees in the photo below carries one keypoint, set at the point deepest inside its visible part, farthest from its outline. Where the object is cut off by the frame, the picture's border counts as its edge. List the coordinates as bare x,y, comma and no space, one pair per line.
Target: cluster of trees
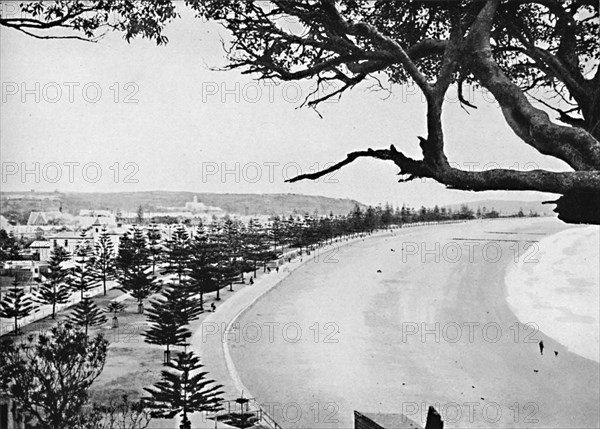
92,265
10,246
215,256
48,379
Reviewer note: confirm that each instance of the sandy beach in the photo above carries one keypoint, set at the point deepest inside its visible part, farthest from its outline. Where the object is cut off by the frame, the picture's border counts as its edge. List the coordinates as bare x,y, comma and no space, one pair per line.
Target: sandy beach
557,285
393,325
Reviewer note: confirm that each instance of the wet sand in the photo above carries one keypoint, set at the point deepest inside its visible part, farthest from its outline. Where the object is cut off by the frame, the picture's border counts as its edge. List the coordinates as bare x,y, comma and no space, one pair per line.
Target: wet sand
432,328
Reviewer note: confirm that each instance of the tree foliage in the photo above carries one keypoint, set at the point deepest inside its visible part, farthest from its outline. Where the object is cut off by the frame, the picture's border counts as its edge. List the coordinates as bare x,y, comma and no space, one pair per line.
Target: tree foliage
90,19
168,315
203,263
83,278
518,50
134,267
156,251
87,314
49,378
119,413
115,307
184,389
256,249
513,49
16,304
55,289
176,254
104,259
9,247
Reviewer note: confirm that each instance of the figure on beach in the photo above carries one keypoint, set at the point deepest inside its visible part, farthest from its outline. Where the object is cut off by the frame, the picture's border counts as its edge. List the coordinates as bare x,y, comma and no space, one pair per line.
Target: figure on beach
251,281
542,347
213,307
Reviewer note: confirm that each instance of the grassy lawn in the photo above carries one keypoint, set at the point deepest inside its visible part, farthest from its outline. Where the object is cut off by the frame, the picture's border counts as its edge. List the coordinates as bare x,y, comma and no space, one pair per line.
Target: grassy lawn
131,363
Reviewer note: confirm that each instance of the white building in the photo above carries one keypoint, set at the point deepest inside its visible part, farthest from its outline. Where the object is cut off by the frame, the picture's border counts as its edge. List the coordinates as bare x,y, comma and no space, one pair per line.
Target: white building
197,207
42,248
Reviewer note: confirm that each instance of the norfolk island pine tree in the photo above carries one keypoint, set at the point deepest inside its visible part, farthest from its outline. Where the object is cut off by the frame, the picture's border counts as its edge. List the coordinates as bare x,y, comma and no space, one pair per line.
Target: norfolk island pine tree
181,391
15,305
177,254
86,313
154,246
204,257
104,259
54,289
176,307
134,268
226,254
256,248
83,278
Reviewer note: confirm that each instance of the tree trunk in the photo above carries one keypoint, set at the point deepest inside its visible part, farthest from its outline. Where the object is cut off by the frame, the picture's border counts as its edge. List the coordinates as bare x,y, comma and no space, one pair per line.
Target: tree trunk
167,357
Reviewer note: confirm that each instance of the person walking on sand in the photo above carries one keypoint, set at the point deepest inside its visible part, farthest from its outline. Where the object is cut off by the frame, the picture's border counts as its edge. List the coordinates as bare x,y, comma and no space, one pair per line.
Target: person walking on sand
251,281
213,307
542,347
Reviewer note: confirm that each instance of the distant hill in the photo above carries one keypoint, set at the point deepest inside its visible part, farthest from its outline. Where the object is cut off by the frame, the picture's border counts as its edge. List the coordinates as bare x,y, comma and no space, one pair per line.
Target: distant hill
242,204
508,207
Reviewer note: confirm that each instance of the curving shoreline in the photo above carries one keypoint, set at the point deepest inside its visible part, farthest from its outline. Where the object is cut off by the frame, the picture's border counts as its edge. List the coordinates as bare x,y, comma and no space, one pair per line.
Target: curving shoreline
268,284
557,286
217,357
374,368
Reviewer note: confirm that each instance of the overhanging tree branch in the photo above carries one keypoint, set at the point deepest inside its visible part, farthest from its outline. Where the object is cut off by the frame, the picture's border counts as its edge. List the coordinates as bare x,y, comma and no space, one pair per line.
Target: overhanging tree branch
488,180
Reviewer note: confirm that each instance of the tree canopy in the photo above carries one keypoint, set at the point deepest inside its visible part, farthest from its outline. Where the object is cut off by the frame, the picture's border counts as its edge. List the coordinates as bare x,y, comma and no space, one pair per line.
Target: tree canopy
49,377
515,49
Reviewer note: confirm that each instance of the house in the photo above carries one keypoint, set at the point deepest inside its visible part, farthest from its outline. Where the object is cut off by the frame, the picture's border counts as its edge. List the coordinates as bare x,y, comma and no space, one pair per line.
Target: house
114,234
26,231
69,240
88,218
44,218
25,271
42,248
95,213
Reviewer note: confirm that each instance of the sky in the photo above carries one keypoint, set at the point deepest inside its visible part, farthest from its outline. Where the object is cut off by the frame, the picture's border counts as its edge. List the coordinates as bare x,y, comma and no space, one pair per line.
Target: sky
112,117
